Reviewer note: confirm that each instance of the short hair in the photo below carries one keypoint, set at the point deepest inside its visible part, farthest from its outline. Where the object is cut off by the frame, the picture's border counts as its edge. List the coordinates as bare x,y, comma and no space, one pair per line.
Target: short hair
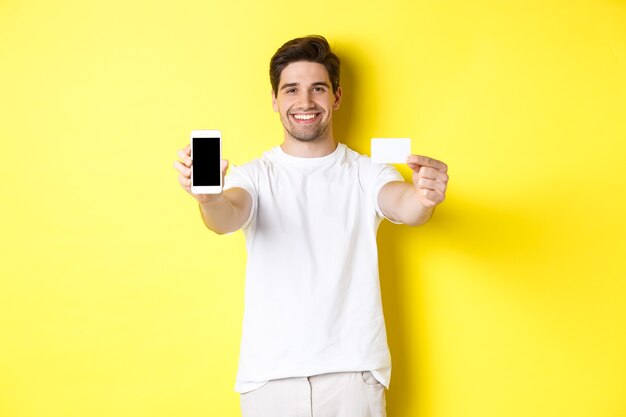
312,48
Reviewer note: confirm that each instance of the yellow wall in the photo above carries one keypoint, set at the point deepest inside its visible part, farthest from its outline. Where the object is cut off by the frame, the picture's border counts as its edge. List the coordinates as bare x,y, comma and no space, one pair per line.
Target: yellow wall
115,301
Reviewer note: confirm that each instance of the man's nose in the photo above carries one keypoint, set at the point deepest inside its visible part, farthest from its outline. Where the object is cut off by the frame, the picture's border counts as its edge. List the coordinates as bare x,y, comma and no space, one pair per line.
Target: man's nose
306,100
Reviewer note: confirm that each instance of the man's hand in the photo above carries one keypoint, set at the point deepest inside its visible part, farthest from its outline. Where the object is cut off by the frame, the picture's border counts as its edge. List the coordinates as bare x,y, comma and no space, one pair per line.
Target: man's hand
184,168
413,204
430,177
224,212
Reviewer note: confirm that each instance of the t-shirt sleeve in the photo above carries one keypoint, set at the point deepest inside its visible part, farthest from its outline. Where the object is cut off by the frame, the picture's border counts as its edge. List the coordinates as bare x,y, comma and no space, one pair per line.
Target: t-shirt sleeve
243,177
384,173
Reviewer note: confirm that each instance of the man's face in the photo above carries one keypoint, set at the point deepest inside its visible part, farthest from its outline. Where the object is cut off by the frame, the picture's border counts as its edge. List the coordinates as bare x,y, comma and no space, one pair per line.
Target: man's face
305,100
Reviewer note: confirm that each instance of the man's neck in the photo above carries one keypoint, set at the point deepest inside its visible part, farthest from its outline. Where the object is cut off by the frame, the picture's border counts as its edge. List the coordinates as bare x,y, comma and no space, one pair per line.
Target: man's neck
313,149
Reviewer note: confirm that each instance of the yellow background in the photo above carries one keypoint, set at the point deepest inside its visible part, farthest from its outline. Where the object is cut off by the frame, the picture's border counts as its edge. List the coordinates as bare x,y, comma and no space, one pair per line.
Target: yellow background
116,301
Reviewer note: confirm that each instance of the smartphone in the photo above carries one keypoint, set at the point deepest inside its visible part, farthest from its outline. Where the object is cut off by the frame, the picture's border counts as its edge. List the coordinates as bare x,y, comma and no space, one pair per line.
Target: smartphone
206,155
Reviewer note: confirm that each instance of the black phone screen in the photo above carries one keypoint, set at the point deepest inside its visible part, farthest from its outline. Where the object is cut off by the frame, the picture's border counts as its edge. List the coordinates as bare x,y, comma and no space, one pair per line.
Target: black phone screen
206,162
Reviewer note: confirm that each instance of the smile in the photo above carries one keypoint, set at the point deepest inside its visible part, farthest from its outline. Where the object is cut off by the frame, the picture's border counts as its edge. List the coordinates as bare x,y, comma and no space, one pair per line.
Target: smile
305,117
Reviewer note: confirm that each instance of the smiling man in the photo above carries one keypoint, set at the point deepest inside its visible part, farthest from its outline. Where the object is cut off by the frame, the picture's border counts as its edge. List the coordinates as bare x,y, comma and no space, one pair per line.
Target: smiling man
313,340
305,101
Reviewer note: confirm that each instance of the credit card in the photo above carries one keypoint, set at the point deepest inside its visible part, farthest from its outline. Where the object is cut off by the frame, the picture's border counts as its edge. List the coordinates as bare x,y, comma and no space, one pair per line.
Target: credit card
390,150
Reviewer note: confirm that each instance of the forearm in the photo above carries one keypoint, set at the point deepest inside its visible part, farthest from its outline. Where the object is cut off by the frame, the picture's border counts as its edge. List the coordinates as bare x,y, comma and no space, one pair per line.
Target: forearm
220,214
410,210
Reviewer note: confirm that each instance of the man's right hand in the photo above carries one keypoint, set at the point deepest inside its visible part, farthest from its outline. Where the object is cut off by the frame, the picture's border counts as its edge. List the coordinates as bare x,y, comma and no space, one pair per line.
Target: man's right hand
183,166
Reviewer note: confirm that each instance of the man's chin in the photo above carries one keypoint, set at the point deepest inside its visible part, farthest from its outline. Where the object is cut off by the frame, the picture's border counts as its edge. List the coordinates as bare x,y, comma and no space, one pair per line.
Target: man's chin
306,136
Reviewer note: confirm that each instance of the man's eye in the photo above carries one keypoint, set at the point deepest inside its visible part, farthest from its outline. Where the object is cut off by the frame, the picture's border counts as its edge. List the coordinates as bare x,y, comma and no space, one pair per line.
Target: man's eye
319,89
291,90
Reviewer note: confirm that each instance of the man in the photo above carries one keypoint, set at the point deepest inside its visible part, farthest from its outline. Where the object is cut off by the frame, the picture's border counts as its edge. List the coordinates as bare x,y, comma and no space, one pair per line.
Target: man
314,341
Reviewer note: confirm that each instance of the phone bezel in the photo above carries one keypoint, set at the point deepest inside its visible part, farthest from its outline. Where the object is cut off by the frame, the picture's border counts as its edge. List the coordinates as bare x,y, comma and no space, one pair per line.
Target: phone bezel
205,134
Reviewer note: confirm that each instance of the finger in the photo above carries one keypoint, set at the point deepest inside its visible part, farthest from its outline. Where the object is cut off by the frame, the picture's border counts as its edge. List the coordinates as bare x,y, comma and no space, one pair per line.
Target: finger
184,157
433,185
415,167
184,181
427,172
427,162
182,169
431,198
433,174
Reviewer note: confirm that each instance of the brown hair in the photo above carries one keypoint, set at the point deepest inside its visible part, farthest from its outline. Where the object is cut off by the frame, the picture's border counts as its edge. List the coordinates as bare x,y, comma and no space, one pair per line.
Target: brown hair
312,48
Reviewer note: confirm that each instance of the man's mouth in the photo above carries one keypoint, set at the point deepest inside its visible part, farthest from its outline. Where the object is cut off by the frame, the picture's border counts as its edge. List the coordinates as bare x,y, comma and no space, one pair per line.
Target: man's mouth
304,118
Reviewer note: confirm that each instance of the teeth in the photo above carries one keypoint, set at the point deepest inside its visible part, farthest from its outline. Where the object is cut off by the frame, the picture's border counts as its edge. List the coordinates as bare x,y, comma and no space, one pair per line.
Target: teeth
304,116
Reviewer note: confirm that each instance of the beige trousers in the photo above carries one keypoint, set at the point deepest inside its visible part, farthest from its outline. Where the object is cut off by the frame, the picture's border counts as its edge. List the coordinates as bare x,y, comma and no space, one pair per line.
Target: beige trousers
340,394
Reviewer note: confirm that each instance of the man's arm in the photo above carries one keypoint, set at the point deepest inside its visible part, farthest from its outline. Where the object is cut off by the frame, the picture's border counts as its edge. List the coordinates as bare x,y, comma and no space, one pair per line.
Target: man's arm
413,204
223,213
228,211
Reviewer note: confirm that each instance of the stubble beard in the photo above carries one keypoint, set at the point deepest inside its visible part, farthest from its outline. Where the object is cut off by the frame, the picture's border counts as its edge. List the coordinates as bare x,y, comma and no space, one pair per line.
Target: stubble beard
305,133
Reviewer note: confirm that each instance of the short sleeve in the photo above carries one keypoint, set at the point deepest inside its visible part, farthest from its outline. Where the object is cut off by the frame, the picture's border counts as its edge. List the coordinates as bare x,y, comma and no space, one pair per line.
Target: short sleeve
243,177
382,174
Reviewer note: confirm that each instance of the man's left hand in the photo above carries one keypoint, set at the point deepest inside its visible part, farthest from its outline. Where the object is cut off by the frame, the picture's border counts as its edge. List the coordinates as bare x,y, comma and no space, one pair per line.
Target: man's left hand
430,177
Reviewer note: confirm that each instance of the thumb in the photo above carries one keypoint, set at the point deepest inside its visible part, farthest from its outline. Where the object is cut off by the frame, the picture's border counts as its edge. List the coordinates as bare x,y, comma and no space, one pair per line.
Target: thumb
224,166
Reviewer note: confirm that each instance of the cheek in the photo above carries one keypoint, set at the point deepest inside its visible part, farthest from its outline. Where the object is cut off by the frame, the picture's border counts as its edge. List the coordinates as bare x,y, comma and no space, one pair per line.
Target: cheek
283,106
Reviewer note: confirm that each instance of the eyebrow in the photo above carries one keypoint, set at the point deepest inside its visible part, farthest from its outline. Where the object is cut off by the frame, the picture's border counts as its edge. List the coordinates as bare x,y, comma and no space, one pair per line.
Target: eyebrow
289,85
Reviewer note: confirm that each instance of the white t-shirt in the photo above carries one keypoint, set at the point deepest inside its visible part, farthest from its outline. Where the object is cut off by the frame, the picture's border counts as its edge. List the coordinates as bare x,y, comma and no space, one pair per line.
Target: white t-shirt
312,302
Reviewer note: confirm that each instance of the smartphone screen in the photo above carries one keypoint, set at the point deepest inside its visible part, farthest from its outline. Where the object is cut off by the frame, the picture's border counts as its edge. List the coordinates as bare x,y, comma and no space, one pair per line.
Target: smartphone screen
206,161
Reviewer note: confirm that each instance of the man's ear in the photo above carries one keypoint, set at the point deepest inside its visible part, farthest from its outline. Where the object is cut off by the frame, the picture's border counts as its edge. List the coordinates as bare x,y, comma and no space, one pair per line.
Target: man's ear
338,94
274,102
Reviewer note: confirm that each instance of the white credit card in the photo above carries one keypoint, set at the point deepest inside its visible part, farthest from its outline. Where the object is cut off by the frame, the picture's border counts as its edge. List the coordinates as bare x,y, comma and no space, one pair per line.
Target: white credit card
390,150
